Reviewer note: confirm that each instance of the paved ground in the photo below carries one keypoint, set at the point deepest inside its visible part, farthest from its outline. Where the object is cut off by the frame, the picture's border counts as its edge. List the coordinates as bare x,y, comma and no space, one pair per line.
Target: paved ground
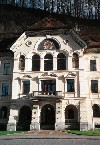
48,138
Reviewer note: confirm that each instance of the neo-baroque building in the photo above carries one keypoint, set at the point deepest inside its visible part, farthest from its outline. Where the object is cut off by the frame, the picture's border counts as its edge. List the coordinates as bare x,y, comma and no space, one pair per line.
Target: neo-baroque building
50,80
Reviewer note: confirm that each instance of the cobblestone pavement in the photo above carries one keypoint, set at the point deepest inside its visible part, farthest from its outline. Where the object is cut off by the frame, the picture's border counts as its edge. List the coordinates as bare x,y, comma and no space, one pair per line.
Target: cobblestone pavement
48,138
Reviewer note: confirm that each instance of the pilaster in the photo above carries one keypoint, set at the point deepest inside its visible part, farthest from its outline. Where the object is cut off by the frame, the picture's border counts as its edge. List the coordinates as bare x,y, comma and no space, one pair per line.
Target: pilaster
60,124
11,126
35,124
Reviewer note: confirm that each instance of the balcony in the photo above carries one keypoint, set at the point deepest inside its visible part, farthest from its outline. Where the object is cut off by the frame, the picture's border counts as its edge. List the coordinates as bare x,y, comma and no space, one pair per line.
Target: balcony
42,94
47,93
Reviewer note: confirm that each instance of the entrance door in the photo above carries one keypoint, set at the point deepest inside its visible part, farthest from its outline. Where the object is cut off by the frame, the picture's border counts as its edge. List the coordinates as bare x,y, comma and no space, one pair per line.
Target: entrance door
47,117
24,118
48,86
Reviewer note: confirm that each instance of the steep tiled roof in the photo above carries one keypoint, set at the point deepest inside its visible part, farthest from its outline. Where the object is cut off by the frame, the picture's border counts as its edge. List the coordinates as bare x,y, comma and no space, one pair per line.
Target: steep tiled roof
91,36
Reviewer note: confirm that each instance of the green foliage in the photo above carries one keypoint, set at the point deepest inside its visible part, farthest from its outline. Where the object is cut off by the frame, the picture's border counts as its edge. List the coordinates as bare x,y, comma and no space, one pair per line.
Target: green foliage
89,133
9,132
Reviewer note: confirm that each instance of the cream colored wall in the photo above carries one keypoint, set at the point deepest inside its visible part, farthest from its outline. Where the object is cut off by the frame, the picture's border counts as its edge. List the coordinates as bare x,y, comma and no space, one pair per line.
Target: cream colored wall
67,49
82,96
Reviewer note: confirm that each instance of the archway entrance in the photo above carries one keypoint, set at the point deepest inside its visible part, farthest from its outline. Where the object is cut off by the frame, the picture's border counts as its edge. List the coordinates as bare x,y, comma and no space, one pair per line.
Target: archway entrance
24,120
47,117
71,117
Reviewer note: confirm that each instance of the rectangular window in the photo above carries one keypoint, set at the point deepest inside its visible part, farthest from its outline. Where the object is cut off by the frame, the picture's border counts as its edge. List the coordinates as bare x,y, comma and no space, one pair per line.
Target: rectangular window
26,86
48,86
70,85
92,65
5,89
6,68
94,86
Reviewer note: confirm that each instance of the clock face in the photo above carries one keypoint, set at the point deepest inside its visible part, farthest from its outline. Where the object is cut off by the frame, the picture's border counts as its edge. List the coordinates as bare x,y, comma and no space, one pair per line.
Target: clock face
48,45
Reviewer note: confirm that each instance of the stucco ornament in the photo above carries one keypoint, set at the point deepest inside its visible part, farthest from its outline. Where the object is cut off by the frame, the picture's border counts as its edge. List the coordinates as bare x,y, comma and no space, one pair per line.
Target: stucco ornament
48,45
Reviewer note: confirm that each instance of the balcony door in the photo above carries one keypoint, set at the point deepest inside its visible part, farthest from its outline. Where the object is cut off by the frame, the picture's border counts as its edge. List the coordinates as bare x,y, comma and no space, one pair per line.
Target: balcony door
48,87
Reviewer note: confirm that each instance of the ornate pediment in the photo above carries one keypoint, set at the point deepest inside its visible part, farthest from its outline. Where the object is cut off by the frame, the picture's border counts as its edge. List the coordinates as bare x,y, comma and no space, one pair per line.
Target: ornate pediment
48,23
26,77
50,75
70,74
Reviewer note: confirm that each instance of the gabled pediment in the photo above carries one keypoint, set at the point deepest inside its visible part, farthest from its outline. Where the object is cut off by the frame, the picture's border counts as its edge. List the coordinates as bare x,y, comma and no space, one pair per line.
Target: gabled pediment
48,23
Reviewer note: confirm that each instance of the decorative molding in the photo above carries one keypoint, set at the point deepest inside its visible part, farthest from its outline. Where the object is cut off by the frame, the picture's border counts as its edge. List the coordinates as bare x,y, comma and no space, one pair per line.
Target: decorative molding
46,74
70,74
47,32
74,36
28,43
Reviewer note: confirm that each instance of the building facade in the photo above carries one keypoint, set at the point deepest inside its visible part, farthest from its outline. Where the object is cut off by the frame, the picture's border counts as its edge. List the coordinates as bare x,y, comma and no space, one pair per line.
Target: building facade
6,69
55,81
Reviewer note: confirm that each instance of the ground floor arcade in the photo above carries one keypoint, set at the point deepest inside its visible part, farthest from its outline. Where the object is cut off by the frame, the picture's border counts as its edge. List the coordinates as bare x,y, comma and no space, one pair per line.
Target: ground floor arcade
52,114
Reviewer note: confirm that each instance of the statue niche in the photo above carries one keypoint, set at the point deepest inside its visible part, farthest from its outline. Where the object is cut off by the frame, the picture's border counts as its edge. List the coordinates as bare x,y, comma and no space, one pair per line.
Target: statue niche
75,60
22,62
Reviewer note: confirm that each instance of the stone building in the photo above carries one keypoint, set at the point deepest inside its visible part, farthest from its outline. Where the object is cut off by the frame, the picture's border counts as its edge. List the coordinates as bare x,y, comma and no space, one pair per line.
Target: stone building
55,81
6,69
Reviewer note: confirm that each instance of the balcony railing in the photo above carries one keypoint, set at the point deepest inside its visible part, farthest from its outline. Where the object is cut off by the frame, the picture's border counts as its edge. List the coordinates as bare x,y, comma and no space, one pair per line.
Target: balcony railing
40,94
47,93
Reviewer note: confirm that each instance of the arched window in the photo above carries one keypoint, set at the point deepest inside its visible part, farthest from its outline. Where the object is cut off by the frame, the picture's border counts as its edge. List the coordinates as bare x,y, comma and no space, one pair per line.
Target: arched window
70,114
96,111
35,62
71,117
3,112
48,44
75,60
22,62
48,62
61,62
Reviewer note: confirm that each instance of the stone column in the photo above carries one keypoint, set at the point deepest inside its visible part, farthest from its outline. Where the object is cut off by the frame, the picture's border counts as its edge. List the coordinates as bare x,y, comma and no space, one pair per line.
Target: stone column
42,64
15,87
90,115
35,123
69,66
11,126
60,123
54,63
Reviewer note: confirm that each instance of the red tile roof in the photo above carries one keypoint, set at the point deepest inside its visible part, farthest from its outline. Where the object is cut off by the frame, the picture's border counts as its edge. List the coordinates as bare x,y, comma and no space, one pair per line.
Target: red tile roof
48,23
